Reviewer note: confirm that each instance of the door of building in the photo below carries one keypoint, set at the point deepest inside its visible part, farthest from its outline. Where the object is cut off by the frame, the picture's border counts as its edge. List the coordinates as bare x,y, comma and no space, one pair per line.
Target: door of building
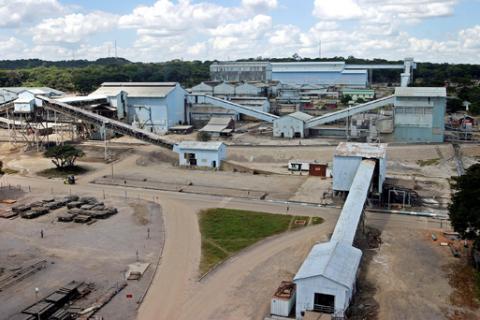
324,303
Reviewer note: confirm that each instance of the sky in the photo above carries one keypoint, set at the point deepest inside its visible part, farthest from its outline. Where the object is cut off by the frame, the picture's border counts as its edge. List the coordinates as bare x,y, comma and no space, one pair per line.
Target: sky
162,30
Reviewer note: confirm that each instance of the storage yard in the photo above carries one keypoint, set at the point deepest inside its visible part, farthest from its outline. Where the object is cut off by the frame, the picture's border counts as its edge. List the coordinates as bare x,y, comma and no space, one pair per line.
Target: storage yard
356,176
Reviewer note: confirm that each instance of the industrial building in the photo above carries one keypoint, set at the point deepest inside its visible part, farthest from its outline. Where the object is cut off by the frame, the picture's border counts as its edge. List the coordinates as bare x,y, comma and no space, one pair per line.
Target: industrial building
331,73
241,71
205,87
201,154
326,280
154,106
365,94
347,159
224,90
291,125
319,73
420,114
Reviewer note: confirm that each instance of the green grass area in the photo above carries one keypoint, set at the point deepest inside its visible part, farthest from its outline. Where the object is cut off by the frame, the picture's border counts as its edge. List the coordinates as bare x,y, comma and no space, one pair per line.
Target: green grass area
428,162
9,171
317,220
62,172
227,231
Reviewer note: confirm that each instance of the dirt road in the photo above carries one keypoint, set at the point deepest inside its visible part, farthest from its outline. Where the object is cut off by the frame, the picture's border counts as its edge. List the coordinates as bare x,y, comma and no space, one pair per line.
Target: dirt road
239,289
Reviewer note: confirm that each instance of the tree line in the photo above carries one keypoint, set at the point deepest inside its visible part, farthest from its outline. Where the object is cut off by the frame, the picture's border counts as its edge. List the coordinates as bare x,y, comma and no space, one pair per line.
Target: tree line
83,76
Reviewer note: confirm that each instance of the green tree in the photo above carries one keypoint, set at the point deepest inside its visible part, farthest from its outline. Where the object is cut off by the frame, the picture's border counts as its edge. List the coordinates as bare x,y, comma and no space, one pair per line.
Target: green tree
464,210
203,136
346,99
64,156
360,100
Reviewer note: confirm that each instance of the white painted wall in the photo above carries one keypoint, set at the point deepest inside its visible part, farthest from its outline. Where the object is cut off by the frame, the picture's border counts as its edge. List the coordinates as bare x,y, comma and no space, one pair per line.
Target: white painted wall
288,126
205,158
306,289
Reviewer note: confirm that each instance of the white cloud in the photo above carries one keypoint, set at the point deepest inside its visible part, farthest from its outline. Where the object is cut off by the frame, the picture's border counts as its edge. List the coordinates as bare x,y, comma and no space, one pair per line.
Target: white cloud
336,9
260,5
387,11
72,28
15,13
168,18
251,28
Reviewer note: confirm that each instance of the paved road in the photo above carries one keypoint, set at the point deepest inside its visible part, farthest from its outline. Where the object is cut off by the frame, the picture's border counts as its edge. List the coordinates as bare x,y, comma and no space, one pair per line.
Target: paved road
175,292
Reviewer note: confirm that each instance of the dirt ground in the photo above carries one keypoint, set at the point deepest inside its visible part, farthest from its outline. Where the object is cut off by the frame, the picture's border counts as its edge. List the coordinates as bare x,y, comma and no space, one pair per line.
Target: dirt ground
410,276
99,253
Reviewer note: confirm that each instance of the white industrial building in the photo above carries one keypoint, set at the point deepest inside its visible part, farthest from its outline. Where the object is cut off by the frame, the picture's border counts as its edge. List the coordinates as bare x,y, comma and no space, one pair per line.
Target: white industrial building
291,125
204,88
224,89
247,89
326,280
154,106
201,154
347,159
257,103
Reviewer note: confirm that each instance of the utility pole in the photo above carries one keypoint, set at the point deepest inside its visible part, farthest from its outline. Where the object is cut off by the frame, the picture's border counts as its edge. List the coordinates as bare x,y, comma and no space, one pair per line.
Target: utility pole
116,49
320,49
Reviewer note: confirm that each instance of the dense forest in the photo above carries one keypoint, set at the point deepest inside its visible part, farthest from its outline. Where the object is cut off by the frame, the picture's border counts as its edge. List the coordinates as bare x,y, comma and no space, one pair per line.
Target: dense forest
83,76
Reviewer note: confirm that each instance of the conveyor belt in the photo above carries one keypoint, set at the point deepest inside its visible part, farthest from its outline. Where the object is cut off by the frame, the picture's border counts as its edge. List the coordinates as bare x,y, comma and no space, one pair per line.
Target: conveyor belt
110,124
206,99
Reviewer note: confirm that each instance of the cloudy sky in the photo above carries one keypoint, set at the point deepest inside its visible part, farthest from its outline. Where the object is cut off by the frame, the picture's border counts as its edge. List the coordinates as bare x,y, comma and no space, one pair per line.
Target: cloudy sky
149,30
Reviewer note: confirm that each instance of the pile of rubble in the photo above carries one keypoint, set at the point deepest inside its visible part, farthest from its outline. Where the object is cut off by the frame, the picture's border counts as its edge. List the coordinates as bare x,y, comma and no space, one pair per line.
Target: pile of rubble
42,207
80,209
84,209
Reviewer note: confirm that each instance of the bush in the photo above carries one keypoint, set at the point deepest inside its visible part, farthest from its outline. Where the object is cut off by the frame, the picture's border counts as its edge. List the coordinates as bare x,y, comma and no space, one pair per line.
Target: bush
204,136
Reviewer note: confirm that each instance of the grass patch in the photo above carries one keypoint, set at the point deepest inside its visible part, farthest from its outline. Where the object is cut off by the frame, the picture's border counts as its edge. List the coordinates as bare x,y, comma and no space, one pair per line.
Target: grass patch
227,231
9,171
428,162
62,172
317,220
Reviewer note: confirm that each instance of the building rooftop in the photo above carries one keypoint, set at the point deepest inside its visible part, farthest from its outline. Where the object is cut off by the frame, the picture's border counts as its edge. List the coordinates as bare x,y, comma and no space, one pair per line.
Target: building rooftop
365,150
300,116
218,125
136,89
198,145
336,261
421,92
34,90
332,66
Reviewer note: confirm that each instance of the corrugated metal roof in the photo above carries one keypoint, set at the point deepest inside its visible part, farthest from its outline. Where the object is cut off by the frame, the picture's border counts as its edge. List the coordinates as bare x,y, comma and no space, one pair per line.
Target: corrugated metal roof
81,98
300,116
349,219
34,90
197,145
421,92
354,71
336,261
333,66
365,150
218,124
136,89
139,84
